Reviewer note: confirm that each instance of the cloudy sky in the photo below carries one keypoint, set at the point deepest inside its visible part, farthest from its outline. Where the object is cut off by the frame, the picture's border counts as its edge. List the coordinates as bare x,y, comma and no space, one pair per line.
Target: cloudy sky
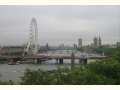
60,24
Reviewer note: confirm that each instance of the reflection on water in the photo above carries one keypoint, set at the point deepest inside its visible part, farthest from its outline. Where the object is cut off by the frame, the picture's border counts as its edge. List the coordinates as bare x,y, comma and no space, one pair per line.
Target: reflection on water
14,72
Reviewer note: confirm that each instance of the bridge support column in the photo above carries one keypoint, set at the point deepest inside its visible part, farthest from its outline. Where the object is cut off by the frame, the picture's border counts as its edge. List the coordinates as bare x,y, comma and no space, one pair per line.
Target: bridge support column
61,61
57,61
72,60
37,61
80,61
83,61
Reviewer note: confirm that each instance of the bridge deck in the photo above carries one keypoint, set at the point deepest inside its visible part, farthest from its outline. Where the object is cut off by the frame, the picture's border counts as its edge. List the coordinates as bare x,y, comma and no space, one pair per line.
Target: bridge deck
53,56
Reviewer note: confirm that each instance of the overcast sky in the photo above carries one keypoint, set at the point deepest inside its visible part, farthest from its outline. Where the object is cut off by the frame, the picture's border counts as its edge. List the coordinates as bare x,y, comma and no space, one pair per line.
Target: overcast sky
60,24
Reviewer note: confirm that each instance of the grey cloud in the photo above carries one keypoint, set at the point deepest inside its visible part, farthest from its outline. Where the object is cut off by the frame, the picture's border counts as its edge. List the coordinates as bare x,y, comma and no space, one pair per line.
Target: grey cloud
60,23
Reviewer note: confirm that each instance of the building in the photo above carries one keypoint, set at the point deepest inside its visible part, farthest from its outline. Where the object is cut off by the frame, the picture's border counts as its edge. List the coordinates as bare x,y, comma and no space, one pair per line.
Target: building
47,46
12,50
97,41
79,43
75,46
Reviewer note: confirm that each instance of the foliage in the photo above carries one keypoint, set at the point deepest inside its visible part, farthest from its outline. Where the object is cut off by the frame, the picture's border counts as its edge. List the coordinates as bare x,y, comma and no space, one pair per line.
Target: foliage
97,73
107,51
10,82
116,56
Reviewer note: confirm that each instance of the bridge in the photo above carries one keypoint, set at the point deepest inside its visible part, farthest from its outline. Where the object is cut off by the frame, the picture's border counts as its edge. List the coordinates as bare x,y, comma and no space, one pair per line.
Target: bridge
51,56
54,56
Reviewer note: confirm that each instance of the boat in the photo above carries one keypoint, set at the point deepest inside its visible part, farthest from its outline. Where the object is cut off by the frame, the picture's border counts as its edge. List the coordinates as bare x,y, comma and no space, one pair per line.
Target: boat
11,63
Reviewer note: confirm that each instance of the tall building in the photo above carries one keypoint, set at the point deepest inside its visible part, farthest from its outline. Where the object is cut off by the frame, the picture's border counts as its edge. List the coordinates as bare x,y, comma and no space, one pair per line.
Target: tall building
79,43
97,41
75,46
47,46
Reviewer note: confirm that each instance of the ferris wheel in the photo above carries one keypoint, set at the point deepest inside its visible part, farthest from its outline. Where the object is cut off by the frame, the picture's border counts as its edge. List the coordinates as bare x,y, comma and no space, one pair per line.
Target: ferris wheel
32,45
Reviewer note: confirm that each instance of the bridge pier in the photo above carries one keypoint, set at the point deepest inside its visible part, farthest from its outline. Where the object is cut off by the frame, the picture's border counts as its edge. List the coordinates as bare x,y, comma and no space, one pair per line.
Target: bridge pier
80,61
72,60
37,61
60,60
57,61
83,61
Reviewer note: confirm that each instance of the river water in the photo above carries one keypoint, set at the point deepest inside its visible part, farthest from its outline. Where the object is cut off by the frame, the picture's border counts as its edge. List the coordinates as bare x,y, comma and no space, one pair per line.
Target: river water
14,72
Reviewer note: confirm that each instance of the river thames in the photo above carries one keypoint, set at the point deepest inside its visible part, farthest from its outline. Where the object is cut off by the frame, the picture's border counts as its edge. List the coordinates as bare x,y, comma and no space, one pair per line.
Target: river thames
14,72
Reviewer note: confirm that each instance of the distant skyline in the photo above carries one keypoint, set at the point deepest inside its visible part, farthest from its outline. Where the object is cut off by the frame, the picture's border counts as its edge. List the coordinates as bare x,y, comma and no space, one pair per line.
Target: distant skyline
60,24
